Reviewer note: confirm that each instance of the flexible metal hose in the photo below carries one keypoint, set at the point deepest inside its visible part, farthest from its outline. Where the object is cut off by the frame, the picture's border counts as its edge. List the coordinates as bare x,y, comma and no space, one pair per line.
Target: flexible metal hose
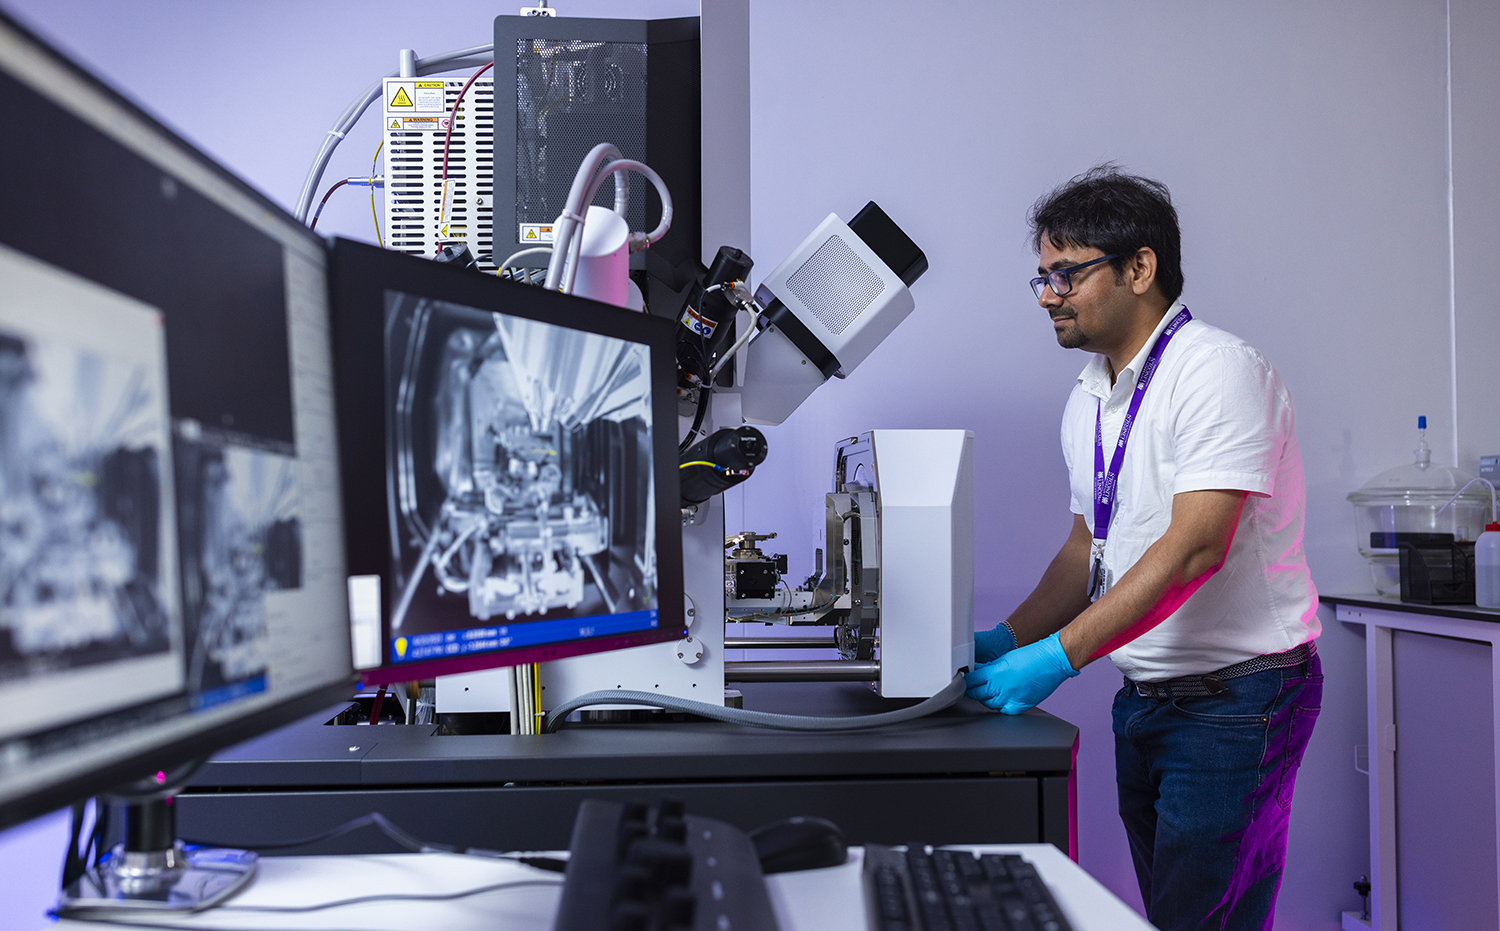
785,722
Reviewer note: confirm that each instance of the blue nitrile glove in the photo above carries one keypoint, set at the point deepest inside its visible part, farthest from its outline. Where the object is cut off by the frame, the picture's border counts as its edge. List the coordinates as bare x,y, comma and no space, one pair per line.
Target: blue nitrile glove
1018,680
990,645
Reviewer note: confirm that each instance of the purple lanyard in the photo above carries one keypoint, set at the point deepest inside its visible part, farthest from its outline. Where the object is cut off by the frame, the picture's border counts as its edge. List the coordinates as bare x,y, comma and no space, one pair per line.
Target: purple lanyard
1105,483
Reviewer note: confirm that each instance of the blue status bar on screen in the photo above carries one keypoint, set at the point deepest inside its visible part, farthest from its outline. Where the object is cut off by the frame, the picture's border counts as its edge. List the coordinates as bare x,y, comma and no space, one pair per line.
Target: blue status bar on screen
513,636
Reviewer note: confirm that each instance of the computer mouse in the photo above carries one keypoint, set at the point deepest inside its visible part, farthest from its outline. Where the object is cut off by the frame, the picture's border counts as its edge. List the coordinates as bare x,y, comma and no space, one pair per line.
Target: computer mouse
801,843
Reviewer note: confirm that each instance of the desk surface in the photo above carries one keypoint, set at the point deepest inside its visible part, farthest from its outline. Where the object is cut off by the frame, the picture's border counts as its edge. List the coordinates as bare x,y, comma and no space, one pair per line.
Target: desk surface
966,738
814,900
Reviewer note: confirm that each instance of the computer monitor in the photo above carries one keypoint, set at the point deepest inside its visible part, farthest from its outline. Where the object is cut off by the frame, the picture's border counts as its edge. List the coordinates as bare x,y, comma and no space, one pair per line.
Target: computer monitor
509,469
171,552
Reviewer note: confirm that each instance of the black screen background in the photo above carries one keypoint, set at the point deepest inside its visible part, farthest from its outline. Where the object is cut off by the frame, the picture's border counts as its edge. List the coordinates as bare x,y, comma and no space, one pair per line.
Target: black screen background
77,199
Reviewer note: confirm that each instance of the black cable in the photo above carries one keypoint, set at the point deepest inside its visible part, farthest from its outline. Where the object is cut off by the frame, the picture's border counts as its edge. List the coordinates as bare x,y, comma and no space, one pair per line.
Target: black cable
703,394
101,827
74,863
400,836
390,897
395,833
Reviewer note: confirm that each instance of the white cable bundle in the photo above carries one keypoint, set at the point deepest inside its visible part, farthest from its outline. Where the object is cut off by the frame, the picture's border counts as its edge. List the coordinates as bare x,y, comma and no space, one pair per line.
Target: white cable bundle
566,256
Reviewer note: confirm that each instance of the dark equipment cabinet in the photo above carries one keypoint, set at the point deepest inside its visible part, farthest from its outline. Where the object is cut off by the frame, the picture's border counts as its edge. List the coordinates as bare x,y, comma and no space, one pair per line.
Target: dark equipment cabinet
964,776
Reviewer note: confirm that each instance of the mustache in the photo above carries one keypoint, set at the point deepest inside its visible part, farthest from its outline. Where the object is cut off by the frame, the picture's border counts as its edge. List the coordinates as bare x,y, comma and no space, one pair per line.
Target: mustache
1062,313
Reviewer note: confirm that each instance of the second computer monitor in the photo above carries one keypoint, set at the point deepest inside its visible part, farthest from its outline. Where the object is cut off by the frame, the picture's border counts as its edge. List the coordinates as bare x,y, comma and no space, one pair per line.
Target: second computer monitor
509,462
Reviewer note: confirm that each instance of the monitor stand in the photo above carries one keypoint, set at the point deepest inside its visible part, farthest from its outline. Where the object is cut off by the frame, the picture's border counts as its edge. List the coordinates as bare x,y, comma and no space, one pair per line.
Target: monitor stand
151,871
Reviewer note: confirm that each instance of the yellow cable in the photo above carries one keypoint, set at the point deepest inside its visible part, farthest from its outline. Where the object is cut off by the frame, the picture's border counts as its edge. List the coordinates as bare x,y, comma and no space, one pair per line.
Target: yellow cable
536,698
373,213
699,462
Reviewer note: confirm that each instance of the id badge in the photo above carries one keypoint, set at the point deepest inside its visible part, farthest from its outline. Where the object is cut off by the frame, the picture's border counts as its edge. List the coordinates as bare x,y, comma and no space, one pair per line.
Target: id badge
1100,577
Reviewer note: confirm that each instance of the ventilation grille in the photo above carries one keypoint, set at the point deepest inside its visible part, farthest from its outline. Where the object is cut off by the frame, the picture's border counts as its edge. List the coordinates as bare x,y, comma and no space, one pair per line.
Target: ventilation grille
572,94
836,285
414,180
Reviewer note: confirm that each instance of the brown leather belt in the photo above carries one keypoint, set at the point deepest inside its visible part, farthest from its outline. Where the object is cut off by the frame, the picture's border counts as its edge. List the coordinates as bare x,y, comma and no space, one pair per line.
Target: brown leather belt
1212,683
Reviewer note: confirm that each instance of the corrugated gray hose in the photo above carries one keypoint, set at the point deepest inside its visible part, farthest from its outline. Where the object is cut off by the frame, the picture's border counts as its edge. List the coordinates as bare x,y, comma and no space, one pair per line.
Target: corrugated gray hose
785,722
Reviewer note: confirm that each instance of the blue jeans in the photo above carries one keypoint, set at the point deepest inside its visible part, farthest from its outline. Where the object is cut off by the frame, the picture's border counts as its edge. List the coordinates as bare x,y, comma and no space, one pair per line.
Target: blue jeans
1205,792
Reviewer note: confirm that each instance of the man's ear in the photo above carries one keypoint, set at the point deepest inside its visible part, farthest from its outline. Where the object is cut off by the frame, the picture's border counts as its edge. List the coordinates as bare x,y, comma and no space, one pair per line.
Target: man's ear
1140,270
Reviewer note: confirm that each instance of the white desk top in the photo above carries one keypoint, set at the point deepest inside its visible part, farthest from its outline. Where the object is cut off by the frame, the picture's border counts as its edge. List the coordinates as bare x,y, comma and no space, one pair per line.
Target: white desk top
813,900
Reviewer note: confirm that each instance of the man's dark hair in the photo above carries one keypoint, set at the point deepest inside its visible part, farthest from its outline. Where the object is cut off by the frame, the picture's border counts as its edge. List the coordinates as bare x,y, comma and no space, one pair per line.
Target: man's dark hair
1106,209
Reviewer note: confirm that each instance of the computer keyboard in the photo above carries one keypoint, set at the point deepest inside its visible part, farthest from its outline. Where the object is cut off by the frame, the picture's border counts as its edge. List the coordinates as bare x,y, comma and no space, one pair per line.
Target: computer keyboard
632,868
921,889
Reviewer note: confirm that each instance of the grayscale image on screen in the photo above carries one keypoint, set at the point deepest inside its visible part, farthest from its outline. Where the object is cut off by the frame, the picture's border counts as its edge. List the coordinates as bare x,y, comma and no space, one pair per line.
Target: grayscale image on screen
241,538
519,474
80,508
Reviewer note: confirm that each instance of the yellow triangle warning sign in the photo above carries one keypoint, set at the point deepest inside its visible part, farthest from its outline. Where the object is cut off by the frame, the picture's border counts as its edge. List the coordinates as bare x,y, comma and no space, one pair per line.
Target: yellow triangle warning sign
395,124
531,234
401,99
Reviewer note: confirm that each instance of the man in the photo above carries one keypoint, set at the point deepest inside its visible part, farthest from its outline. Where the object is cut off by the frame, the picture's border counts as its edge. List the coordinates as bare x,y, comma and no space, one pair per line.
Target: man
1184,564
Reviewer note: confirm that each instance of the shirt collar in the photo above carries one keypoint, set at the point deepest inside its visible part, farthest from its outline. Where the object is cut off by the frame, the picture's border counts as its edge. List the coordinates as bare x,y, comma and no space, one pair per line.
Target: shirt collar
1095,376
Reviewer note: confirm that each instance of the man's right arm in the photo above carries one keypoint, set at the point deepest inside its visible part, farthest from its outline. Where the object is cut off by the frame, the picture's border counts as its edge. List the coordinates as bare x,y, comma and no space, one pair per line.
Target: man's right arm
1062,593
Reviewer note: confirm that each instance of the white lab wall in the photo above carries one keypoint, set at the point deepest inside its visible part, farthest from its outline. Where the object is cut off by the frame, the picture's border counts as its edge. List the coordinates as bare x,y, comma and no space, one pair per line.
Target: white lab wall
1306,145
1476,224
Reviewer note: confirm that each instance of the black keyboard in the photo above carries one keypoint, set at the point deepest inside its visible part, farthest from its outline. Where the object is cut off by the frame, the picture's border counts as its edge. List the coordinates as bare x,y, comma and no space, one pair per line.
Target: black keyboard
922,889
632,868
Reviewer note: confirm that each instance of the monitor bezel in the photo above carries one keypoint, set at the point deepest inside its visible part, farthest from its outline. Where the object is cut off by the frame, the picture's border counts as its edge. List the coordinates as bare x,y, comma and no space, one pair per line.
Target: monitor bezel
359,276
174,752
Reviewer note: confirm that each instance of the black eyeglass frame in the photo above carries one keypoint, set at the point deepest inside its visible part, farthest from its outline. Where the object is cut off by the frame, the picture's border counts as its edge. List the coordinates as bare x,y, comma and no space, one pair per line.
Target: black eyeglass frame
1064,277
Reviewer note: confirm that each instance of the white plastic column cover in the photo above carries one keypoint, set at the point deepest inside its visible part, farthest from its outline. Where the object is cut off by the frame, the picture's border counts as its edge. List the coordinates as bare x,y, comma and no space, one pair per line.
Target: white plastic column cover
926,507
778,378
604,258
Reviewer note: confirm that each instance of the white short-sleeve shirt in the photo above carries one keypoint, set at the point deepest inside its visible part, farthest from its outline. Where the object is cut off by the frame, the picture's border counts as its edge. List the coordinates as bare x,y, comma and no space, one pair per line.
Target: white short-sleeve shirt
1216,416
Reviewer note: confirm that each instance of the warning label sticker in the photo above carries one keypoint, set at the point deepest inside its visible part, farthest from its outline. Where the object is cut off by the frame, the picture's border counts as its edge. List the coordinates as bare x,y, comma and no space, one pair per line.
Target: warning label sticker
406,96
395,124
698,323
418,124
429,96
536,232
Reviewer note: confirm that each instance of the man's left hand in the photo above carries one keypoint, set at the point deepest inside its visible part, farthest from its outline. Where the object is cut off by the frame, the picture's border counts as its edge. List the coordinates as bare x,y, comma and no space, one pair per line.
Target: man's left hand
1015,682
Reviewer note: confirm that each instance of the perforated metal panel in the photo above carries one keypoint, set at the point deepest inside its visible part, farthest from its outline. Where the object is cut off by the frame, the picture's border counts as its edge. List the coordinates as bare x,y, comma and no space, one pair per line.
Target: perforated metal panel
836,285
571,95
577,82
414,178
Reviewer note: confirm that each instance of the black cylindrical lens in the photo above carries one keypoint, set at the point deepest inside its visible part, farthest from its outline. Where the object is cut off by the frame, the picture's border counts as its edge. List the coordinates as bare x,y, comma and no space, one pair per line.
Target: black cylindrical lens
722,460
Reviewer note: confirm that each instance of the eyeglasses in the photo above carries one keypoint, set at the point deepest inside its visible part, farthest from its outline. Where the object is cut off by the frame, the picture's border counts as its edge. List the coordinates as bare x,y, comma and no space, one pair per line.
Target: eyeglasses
1061,280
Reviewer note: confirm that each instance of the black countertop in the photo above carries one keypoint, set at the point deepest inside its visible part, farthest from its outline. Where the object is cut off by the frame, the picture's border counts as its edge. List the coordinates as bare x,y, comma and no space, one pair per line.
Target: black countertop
964,739
1467,612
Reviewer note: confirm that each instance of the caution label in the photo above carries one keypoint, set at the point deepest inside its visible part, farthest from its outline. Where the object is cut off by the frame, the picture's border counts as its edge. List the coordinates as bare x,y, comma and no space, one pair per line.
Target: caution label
419,123
408,96
395,124
534,233
428,96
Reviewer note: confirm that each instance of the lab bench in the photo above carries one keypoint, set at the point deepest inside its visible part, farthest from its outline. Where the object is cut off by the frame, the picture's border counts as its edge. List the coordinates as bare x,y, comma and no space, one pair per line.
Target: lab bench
965,775
1432,693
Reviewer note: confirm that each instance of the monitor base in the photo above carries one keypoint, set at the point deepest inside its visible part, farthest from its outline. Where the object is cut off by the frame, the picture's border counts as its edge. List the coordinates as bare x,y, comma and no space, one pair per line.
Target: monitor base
174,880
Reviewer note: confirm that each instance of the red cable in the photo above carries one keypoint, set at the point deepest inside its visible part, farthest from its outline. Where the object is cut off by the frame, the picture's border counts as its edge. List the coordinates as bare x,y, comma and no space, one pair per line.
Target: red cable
448,138
327,194
375,708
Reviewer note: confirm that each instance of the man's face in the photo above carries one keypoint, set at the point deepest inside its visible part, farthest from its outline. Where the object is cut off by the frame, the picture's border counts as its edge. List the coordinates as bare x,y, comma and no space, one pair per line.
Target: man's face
1083,318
